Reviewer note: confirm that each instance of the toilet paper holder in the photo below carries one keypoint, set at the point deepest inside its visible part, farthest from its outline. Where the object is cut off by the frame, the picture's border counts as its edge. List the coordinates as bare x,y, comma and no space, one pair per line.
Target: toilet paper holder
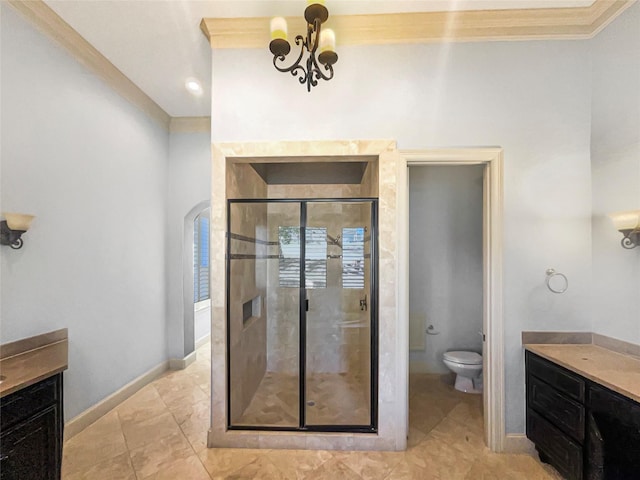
432,331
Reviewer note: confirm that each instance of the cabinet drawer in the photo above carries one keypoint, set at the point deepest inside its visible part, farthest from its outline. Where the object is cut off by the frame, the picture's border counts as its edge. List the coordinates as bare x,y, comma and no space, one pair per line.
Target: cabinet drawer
28,401
560,451
564,380
565,413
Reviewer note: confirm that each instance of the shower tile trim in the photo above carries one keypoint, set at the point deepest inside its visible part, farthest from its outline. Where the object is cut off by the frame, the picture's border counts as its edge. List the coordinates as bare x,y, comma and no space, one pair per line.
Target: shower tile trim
383,184
244,238
300,441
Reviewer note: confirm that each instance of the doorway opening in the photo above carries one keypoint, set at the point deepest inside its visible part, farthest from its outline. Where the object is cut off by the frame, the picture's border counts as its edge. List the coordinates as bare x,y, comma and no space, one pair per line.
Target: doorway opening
445,301
492,319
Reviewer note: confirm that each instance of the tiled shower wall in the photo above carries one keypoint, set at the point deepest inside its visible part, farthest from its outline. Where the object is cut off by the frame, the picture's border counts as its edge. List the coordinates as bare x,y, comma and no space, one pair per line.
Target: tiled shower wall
248,281
333,344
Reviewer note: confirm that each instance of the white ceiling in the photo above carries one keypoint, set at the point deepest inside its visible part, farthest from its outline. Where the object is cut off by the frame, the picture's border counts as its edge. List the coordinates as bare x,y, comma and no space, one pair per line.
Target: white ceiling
158,43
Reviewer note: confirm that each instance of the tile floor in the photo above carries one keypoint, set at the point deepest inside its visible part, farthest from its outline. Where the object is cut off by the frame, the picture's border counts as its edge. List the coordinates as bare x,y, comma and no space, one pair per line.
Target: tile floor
160,433
332,399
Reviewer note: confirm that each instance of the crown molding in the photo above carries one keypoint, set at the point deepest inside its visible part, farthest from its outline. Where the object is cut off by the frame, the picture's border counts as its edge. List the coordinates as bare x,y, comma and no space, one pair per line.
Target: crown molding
51,24
423,27
190,124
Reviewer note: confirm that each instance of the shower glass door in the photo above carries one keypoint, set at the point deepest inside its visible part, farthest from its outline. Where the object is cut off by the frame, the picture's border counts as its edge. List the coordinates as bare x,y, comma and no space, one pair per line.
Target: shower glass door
338,318
263,314
301,315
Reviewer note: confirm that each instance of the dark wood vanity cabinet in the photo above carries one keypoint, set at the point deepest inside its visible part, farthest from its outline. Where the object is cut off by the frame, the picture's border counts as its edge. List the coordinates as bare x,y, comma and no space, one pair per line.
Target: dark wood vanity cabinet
31,426
586,431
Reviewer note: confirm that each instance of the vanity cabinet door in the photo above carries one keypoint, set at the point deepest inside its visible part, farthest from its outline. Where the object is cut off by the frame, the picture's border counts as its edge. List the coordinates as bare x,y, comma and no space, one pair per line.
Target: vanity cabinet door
28,451
31,425
564,413
554,446
615,447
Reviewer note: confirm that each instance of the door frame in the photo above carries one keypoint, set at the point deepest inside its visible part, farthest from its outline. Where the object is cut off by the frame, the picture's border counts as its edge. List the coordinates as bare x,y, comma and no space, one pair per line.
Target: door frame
492,248
303,426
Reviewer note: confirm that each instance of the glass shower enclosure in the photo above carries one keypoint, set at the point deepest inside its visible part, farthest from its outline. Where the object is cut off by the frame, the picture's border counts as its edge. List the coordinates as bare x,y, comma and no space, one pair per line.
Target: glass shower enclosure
302,314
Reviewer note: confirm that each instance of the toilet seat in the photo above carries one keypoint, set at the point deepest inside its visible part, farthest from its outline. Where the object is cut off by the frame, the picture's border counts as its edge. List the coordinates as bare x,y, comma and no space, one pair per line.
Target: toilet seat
464,358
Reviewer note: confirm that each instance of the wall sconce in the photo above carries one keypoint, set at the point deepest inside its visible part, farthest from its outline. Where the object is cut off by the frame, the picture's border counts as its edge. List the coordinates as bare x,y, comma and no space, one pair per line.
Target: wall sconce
13,227
628,223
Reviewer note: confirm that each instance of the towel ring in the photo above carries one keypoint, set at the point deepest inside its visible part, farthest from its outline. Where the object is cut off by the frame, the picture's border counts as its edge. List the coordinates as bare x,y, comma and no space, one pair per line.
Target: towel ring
551,273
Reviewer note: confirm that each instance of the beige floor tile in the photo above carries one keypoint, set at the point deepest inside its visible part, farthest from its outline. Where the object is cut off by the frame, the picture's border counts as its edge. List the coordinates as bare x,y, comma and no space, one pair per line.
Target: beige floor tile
180,391
441,459
158,429
148,431
118,467
189,468
199,370
371,465
415,437
157,455
296,464
493,466
406,470
200,411
174,382
142,405
333,470
469,414
333,399
260,469
461,437
103,440
426,418
221,462
196,432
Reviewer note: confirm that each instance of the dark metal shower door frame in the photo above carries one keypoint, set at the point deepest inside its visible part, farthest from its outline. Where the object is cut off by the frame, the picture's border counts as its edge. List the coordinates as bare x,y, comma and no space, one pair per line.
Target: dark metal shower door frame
302,426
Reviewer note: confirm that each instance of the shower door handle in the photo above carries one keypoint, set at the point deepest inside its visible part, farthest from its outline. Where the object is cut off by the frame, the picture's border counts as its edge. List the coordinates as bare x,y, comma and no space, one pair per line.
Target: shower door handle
306,305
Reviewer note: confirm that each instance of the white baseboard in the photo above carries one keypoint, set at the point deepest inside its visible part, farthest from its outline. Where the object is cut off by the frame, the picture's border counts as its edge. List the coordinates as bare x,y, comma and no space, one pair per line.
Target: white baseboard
518,443
182,363
200,342
90,415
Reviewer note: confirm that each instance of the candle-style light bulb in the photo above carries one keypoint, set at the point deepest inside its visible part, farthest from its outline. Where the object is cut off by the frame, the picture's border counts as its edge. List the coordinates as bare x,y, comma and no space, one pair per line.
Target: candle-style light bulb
327,40
278,28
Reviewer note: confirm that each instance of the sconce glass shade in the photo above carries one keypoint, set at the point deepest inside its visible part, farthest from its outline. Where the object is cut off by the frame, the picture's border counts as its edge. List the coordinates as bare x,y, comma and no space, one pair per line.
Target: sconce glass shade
18,221
628,223
625,221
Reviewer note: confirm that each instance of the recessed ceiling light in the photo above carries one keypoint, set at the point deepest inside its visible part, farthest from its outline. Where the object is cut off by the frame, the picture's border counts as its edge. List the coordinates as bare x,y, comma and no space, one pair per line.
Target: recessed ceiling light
193,86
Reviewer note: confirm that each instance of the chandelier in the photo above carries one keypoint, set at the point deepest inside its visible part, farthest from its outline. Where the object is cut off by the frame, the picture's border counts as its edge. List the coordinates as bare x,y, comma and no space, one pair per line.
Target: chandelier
316,40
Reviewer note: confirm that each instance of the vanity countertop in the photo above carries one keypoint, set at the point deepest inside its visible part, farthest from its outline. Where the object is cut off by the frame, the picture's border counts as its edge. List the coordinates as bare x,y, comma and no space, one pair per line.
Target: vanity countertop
28,361
616,371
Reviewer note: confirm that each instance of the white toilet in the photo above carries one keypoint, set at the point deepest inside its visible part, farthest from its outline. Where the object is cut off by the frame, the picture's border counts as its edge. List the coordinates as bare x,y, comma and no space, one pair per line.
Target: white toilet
468,368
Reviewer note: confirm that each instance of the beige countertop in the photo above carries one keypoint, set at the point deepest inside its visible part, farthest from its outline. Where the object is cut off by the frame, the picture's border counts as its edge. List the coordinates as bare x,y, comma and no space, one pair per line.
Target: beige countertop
28,361
616,371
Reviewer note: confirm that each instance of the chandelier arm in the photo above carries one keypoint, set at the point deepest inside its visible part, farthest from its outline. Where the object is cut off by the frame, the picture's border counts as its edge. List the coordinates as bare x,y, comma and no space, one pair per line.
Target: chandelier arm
311,81
313,35
304,75
315,67
299,41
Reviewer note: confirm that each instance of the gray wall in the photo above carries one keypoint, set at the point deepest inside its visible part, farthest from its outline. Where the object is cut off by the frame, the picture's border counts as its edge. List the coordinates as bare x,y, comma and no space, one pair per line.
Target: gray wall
531,98
92,168
445,268
615,167
189,190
